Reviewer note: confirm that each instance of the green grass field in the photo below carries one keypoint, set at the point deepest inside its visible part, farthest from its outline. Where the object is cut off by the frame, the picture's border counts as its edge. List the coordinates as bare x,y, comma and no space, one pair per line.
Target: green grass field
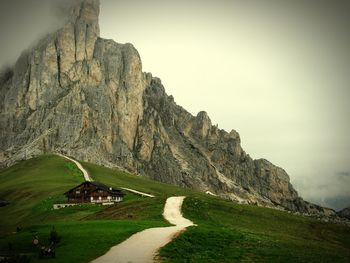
33,186
226,232
229,232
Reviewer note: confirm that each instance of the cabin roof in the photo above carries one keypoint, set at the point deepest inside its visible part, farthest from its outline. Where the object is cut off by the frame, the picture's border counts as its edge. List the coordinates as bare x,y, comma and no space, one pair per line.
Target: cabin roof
99,186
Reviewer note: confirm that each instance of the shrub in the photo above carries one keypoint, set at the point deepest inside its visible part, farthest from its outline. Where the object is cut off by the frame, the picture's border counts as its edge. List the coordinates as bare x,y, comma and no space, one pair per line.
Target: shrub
54,237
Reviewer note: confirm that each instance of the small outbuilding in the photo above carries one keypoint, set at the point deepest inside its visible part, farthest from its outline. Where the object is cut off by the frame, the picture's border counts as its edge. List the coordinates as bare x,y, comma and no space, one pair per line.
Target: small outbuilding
94,192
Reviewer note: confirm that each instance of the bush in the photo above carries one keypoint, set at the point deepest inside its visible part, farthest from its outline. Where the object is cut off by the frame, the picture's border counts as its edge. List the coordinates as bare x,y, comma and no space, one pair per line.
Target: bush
54,237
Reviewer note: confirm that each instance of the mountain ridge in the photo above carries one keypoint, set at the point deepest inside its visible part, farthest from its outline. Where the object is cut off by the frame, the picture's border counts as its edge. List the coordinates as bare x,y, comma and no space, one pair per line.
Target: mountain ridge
87,97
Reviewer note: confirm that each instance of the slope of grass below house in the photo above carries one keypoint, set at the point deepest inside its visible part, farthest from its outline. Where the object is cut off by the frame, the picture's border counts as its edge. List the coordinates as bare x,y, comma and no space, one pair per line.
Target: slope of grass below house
81,241
229,232
226,232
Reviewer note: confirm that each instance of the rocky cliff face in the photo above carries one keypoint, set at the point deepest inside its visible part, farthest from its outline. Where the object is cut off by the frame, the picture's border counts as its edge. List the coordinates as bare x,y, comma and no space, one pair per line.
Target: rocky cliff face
345,213
87,97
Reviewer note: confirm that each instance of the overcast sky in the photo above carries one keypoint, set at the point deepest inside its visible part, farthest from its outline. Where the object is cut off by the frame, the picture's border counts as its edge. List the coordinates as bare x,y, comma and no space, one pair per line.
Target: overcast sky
278,72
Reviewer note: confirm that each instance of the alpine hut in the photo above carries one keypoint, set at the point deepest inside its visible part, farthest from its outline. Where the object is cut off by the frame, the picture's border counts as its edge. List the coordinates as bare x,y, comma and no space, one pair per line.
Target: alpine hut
94,192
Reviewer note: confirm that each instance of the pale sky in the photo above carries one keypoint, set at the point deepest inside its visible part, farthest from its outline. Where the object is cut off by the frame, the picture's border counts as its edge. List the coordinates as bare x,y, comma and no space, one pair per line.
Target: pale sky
278,72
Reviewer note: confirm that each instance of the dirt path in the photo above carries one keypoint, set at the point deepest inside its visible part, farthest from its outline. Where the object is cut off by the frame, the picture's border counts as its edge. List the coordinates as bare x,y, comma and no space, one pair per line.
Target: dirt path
81,168
137,192
88,178
143,246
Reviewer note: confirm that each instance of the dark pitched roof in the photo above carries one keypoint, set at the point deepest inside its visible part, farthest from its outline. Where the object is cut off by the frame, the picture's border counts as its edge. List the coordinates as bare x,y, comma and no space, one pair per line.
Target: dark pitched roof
101,186
104,187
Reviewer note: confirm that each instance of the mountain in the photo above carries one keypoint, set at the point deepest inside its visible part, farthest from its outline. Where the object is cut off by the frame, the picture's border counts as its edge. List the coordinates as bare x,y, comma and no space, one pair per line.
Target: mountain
345,213
87,97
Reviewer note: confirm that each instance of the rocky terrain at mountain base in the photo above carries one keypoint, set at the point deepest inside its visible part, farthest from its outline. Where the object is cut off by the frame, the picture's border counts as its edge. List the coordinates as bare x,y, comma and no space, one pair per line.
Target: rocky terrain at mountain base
87,97
344,213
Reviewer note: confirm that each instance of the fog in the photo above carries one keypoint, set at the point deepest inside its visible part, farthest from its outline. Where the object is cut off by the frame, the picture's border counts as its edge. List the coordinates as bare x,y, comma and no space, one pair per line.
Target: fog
278,72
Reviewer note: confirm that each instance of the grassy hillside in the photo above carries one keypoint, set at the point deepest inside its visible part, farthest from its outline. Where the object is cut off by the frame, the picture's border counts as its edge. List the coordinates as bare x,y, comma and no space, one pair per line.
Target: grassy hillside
33,186
229,232
226,232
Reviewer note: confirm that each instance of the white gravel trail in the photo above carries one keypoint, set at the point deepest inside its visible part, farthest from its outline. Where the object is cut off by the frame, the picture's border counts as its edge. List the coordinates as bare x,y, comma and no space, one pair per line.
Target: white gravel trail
137,192
143,246
81,168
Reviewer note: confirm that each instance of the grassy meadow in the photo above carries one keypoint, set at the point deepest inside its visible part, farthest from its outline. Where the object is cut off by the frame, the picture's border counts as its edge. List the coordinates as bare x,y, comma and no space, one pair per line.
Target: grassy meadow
225,231
229,232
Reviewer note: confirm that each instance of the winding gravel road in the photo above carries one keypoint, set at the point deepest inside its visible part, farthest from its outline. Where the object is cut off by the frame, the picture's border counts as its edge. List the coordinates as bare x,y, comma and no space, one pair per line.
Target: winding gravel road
143,246
80,167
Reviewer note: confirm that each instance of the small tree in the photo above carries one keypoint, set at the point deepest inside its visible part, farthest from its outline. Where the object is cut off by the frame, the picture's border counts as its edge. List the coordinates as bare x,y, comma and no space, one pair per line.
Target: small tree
54,237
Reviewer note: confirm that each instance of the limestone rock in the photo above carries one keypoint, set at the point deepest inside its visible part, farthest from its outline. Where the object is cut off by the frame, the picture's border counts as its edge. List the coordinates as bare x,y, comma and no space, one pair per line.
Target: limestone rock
345,213
87,97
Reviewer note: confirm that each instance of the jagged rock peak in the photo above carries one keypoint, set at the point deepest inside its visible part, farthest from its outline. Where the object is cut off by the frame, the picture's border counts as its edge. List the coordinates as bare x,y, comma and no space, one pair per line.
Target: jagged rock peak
76,40
202,124
87,10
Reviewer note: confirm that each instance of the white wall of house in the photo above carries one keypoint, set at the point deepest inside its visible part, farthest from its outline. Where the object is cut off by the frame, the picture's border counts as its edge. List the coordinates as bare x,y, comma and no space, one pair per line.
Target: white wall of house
108,199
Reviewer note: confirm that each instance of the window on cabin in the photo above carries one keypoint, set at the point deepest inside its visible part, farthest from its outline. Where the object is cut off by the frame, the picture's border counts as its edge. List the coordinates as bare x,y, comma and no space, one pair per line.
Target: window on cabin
77,192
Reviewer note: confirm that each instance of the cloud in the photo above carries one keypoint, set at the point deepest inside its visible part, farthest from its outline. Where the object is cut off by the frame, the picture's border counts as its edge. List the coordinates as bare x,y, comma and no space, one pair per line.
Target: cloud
343,174
22,23
332,191
61,8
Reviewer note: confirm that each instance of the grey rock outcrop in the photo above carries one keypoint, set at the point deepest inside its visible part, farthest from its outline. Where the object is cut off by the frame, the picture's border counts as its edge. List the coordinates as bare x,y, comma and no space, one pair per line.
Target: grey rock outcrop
87,97
345,213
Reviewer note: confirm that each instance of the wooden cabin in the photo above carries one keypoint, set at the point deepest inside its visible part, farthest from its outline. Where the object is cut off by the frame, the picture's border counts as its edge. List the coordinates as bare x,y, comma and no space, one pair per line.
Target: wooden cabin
94,192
